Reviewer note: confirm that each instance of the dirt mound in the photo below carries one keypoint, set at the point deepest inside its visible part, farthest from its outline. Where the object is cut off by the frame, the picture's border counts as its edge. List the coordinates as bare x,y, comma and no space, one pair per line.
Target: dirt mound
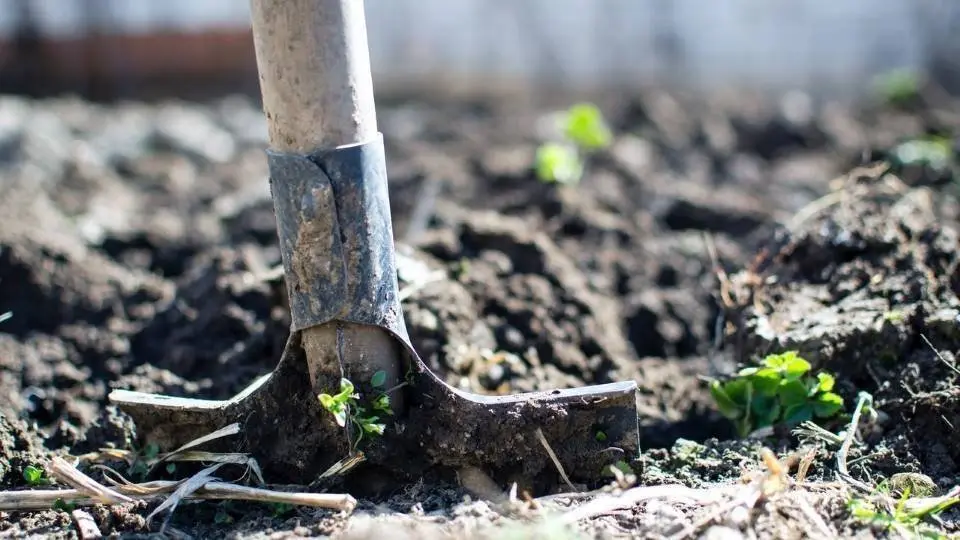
867,288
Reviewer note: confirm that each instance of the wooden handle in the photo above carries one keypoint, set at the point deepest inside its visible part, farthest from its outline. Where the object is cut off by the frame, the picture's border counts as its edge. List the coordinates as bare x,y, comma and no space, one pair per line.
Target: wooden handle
314,66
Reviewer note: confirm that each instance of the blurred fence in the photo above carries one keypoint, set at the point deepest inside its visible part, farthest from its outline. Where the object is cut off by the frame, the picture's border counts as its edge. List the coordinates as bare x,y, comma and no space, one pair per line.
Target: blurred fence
110,48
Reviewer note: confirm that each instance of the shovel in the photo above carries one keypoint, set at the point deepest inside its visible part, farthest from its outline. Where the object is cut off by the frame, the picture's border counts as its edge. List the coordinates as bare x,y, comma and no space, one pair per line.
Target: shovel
329,189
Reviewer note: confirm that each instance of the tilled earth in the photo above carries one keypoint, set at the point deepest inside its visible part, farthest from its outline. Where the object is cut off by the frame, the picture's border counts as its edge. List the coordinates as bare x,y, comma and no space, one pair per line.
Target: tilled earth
138,248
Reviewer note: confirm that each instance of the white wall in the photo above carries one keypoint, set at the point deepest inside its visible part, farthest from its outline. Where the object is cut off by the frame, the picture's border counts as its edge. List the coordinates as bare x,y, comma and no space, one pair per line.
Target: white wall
775,44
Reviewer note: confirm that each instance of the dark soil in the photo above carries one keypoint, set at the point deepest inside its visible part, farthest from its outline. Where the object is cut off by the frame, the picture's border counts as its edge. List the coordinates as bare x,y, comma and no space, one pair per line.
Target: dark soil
138,243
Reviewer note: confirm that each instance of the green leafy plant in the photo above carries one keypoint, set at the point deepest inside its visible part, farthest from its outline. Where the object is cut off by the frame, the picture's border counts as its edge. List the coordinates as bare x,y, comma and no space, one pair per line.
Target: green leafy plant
34,476
346,408
780,390
583,130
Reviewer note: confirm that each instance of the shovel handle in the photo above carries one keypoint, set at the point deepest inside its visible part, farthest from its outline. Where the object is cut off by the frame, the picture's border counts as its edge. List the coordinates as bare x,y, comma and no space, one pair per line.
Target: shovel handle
317,91
315,79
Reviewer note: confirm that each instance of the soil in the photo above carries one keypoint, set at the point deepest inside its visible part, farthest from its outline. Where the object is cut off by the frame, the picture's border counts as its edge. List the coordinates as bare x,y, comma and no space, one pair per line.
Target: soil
138,246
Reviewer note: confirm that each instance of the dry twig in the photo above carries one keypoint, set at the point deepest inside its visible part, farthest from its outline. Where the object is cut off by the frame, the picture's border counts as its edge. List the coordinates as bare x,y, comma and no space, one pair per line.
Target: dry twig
555,459
45,499
70,475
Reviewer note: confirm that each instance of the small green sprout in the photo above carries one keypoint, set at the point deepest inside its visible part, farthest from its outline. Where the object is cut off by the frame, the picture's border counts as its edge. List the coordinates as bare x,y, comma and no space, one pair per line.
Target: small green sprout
338,405
345,407
559,163
781,390
171,468
34,476
585,126
601,436
584,130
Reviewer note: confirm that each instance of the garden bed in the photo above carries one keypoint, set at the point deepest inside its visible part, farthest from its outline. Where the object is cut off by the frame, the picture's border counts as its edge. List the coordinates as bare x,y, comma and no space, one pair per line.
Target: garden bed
138,249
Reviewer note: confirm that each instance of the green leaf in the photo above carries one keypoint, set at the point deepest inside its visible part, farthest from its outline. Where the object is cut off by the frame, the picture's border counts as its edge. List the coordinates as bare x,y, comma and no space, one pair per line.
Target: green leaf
328,402
747,371
558,163
827,404
740,391
379,379
788,363
825,382
382,403
793,393
373,428
171,468
151,451
346,390
340,414
600,436
766,381
796,414
725,404
795,367
33,475
586,127
765,410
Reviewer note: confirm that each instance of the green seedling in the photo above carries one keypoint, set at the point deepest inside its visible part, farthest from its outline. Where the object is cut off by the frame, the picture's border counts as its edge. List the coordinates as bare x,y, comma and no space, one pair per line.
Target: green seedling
583,130
584,126
346,408
779,391
908,522
34,476
559,163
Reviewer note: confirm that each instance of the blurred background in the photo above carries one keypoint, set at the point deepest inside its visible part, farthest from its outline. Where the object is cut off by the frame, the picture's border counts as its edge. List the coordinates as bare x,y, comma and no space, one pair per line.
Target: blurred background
109,49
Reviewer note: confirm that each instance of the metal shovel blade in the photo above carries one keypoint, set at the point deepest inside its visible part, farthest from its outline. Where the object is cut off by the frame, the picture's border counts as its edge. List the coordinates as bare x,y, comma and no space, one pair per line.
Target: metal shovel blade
283,426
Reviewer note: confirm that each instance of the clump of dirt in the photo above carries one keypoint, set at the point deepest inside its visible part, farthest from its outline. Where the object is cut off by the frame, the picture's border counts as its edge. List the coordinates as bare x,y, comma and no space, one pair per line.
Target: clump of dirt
140,252
20,448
